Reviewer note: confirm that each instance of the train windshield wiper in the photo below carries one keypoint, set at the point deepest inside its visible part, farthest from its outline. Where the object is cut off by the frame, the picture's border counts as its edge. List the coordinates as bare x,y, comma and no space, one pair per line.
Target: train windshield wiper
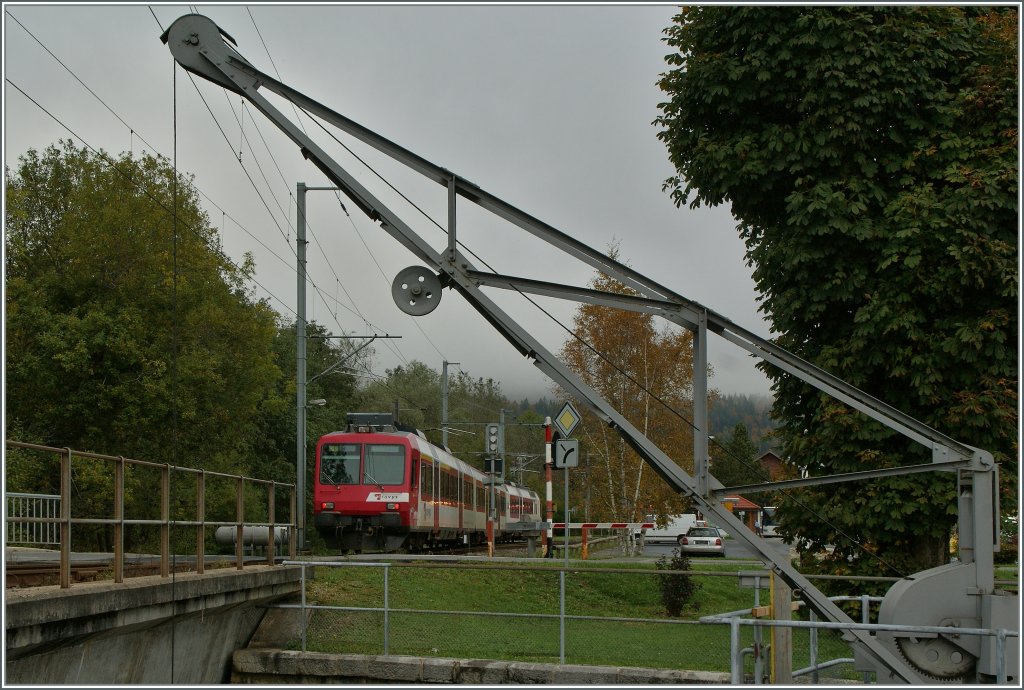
367,475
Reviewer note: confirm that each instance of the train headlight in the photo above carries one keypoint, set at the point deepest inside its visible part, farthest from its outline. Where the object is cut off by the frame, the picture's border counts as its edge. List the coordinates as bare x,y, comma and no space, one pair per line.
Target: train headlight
329,505
392,506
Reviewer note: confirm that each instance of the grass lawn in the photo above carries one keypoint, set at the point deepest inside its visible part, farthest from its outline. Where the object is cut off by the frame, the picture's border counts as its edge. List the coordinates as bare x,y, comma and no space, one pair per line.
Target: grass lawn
449,611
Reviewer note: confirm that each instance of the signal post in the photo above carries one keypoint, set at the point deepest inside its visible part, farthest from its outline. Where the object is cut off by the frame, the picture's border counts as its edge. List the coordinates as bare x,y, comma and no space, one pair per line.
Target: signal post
491,439
549,513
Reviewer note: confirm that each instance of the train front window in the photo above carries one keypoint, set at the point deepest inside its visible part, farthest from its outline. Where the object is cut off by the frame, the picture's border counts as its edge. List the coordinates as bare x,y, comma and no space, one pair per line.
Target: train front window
339,463
385,464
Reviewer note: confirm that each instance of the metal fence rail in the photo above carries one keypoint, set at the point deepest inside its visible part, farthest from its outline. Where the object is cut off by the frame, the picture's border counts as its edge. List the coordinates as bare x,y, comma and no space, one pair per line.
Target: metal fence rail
26,530
382,616
66,517
1001,636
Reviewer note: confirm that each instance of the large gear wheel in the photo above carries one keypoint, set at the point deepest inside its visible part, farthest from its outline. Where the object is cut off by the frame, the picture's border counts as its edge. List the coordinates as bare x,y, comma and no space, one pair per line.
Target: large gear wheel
936,657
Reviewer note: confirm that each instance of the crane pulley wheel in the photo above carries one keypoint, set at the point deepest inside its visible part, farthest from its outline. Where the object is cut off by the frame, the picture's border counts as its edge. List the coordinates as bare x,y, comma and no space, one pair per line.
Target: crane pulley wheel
416,290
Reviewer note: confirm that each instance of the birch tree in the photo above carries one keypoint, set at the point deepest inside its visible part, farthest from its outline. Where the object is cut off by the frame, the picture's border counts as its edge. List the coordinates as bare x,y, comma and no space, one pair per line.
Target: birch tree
646,374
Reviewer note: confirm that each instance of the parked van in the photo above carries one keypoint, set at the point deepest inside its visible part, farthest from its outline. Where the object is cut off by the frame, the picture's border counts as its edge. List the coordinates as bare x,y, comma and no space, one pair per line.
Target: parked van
677,526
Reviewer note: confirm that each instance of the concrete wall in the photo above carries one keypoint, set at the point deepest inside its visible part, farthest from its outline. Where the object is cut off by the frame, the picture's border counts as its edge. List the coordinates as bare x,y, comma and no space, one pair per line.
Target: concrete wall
147,630
279,667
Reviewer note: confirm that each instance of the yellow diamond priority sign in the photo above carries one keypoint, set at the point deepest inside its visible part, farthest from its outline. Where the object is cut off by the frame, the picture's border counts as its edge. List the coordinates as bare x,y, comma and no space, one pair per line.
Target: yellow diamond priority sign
567,420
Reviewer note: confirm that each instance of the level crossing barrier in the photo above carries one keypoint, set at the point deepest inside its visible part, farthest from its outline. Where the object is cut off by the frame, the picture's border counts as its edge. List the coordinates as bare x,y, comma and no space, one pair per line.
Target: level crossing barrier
585,527
67,517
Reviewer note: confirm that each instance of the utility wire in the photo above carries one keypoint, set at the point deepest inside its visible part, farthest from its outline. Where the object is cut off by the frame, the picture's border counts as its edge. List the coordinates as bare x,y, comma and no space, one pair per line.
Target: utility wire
132,130
272,63
105,158
84,85
241,165
240,120
395,349
317,289
603,357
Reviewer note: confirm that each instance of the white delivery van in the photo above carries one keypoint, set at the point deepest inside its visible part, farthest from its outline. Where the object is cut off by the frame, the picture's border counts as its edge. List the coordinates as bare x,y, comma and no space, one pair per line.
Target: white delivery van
676,527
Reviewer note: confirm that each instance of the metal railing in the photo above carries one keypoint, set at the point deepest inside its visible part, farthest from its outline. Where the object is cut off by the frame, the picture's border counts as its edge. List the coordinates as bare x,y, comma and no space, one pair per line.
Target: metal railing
388,611
21,526
390,625
66,518
736,654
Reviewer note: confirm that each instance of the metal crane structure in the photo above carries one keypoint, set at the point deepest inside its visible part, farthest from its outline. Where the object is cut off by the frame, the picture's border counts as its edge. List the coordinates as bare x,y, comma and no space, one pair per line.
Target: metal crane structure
959,594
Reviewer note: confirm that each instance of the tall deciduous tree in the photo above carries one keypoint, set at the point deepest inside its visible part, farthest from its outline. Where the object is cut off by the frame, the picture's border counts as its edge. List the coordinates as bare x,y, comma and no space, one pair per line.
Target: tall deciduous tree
869,155
128,333
646,375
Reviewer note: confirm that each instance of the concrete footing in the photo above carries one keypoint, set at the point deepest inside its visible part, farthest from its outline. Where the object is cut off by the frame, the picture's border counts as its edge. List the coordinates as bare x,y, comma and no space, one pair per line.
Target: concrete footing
278,666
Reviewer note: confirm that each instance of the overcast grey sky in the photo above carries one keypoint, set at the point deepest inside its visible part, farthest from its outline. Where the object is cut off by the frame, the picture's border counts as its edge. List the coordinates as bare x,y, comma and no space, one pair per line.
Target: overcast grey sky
547,107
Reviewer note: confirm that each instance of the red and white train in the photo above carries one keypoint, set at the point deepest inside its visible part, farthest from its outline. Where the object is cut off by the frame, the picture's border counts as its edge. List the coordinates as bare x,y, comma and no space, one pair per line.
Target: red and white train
378,487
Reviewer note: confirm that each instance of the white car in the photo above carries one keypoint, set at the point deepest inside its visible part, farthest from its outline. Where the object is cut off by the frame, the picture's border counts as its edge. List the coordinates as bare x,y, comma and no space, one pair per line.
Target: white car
706,541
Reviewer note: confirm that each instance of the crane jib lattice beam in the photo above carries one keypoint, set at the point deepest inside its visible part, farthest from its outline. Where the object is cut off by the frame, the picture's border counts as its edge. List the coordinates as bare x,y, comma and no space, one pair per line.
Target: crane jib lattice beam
199,46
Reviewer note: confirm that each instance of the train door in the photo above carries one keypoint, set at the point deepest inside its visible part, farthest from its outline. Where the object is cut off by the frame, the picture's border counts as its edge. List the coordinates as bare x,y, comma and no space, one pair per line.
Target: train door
427,511
437,496
462,499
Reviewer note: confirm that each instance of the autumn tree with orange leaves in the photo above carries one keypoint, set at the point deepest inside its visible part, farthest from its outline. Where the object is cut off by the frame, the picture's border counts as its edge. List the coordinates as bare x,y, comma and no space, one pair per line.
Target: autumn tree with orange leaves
647,375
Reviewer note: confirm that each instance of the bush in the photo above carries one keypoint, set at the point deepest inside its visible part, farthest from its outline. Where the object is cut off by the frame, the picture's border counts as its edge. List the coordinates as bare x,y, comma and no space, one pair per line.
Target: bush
677,590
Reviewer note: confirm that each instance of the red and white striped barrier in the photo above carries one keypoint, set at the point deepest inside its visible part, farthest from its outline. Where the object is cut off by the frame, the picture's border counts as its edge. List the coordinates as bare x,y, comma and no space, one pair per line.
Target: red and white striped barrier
585,527
604,525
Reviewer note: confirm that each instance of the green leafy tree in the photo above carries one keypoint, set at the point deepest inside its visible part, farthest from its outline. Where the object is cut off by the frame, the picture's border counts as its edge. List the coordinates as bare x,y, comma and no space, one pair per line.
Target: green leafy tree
128,332
415,389
869,155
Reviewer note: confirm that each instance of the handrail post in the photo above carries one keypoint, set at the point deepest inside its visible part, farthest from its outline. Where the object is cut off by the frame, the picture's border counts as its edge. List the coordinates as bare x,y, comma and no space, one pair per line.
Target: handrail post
387,631
758,637
240,521
201,519
735,653
1001,656
271,542
865,617
812,652
293,529
119,516
165,520
302,611
65,519
561,613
